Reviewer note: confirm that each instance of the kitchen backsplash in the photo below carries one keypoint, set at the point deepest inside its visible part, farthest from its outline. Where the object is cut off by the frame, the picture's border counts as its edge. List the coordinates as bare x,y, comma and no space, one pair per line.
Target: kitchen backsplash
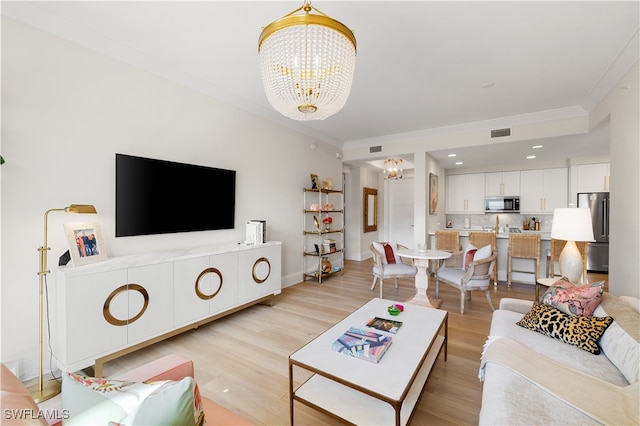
512,220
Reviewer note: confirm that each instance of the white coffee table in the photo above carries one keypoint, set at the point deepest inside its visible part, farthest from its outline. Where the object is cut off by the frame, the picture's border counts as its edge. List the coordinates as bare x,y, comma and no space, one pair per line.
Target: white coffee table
363,392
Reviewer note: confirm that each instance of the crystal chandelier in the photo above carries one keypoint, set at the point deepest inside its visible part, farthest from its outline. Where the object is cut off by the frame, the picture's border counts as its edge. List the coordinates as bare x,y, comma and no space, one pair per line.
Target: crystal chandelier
307,62
393,168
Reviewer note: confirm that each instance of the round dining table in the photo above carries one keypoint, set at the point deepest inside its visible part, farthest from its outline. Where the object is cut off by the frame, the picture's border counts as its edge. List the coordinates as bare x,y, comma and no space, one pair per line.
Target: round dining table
421,259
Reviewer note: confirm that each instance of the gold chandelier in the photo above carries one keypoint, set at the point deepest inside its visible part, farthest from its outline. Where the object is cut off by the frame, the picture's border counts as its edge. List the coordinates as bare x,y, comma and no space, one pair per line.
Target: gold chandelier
393,168
307,62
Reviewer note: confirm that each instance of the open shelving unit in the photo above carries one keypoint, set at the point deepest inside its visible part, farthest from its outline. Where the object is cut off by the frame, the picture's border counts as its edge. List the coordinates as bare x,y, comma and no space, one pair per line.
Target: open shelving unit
318,205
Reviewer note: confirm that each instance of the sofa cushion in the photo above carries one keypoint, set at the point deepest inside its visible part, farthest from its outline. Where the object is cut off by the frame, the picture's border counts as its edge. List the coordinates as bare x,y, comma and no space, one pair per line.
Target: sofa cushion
18,407
396,269
582,332
634,302
90,400
621,341
453,275
504,323
572,299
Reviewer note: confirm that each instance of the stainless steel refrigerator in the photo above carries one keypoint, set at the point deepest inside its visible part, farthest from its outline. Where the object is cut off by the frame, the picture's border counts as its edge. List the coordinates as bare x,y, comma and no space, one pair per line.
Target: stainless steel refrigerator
598,254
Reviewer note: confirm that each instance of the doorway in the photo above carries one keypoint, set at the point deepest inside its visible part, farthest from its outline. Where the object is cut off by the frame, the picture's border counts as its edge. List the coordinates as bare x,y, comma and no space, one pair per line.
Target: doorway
400,207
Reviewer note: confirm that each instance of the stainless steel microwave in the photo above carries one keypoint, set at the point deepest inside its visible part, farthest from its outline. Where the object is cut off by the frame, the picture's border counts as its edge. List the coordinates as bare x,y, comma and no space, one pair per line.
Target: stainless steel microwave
502,205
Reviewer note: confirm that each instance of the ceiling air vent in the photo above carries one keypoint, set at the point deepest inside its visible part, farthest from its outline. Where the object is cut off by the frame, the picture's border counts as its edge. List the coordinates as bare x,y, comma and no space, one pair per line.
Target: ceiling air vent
373,149
500,133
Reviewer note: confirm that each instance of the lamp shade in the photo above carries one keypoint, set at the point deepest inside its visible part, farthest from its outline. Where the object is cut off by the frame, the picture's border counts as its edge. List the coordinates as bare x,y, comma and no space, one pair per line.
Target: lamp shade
572,224
307,63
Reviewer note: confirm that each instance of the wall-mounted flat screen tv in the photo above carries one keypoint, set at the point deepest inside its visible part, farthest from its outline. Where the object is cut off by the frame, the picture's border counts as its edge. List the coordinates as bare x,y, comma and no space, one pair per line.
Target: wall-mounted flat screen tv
161,197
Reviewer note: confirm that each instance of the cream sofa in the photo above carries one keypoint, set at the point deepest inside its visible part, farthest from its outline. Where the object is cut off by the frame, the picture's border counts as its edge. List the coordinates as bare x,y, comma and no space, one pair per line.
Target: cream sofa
529,378
18,408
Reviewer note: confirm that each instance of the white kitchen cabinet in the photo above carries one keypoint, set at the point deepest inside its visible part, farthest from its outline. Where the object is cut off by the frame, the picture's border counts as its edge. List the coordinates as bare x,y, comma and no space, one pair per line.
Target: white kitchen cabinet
593,177
465,193
541,191
502,183
108,309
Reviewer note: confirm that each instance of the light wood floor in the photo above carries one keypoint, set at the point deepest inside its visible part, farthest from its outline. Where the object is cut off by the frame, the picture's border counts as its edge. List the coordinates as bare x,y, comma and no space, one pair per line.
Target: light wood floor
241,360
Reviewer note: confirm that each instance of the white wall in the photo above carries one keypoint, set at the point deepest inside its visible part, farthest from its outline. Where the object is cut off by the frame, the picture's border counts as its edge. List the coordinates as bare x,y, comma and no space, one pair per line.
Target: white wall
622,107
67,111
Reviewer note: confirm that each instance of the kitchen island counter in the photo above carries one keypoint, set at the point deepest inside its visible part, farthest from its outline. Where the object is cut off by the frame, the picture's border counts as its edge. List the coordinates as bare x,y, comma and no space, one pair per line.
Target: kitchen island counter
502,241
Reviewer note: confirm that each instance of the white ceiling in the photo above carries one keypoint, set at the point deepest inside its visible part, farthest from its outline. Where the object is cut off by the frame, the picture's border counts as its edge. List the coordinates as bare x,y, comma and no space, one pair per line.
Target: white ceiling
421,64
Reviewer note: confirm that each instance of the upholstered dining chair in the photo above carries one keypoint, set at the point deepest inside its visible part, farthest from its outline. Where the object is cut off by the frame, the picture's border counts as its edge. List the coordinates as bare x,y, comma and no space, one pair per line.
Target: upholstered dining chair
523,246
554,256
383,269
481,239
476,275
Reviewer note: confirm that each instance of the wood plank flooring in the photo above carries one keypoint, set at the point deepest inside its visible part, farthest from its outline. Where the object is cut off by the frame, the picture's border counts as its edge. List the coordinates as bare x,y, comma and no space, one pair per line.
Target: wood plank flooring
241,361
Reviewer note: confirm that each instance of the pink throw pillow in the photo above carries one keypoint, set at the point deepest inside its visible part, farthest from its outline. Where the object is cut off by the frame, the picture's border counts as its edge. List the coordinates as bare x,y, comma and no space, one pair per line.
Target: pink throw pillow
468,258
572,299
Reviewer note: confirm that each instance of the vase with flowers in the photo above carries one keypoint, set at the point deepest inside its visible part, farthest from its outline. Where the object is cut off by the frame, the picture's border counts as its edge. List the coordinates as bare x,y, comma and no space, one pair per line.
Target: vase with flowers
327,221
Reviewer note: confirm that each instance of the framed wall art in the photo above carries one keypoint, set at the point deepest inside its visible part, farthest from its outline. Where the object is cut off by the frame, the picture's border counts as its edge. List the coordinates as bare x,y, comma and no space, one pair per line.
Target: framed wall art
86,244
433,193
370,209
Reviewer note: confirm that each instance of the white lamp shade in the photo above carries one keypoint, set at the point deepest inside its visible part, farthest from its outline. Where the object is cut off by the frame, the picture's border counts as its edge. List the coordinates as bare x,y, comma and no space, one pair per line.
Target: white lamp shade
572,224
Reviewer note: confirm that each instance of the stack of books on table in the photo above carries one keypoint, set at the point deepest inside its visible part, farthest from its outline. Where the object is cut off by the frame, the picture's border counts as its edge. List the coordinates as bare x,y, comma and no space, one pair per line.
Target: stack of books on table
329,246
363,344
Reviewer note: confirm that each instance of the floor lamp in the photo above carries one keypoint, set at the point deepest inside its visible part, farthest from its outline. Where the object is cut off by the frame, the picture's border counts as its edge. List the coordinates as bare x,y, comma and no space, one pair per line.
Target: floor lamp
44,391
571,224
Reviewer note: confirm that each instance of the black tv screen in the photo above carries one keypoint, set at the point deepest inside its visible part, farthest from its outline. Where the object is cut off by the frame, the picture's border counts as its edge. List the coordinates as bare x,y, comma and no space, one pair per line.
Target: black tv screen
161,197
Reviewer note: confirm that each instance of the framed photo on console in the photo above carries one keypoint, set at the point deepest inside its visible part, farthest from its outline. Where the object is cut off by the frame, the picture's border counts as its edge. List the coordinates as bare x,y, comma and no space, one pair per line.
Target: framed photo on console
86,244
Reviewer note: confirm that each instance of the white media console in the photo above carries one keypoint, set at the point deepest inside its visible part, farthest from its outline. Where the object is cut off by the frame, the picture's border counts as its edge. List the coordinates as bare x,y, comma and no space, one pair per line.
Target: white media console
104,310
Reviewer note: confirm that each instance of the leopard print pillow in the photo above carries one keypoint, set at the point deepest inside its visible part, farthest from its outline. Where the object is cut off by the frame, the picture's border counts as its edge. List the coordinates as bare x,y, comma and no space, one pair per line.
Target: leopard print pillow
582,332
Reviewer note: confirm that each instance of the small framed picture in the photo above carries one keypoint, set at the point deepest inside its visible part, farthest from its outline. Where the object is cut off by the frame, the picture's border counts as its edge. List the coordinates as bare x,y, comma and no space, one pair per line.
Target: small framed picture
315,181
86,244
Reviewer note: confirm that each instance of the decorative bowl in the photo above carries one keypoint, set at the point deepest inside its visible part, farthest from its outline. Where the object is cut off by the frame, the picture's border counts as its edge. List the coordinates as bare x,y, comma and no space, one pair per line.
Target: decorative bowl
395,309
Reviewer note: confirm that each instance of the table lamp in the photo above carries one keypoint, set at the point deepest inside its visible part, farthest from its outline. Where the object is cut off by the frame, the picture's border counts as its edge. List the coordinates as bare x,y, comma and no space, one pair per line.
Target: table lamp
44,391
571,224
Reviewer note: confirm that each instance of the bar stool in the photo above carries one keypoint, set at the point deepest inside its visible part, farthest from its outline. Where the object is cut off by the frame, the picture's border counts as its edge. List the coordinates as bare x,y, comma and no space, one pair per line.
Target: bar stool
448,240
481,239
554,256
524,246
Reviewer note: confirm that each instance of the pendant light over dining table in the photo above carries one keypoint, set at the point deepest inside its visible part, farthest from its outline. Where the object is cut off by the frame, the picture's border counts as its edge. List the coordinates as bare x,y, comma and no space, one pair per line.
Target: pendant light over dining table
307,62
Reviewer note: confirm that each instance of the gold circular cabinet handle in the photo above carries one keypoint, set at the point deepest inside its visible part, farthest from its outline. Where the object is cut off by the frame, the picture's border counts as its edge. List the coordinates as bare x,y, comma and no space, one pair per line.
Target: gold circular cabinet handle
106,310
199,293
255,269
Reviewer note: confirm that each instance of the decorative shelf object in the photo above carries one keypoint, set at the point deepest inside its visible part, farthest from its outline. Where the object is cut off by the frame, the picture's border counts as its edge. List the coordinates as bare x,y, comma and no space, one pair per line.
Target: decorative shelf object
323,251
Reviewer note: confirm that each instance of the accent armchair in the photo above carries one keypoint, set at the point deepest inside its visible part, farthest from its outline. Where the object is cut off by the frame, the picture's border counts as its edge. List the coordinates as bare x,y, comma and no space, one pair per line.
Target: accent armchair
382,269
476,275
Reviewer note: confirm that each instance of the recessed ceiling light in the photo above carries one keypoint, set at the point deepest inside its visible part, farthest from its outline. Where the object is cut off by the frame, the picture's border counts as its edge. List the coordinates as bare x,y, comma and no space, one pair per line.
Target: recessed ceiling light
536,146
451,155
530,157
458,163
